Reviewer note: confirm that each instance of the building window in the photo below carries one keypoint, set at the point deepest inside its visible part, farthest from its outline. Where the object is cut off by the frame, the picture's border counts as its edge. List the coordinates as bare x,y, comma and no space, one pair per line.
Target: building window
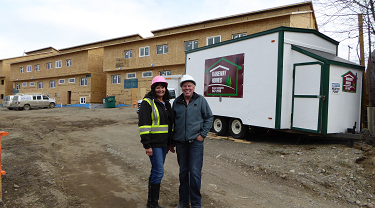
83,81
58,64
144,51
146,74
213,40
17,86
82,100
49,65
21,69
28,68
68,62
116,79
61,81
190,45
129,54
130,83
40,85
130,75
31,84
238,35
162,49
165,73
52,84
72,80
24,84
37,67
2,82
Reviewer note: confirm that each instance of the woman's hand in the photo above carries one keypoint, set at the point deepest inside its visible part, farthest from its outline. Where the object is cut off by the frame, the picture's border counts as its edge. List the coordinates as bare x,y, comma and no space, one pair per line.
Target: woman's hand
149,152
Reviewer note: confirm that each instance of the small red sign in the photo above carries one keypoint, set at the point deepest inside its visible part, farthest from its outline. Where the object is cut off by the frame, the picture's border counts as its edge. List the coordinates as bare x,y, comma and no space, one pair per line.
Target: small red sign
349,82
224,76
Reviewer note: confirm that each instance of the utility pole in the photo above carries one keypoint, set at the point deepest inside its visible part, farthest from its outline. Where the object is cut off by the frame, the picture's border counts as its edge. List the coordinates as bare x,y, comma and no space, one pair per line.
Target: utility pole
362,62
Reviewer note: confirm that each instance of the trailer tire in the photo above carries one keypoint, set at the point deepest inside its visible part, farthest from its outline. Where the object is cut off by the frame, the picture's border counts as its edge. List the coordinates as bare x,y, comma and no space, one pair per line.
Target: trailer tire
220,126
237,129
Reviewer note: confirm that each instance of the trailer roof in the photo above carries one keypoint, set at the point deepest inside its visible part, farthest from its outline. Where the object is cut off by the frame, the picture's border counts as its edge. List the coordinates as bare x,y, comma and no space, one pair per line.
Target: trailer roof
326,57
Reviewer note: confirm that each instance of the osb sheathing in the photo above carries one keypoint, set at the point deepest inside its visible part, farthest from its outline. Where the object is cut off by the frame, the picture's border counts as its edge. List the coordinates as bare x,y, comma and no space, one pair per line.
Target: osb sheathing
83,63
7,88
271,13
125,96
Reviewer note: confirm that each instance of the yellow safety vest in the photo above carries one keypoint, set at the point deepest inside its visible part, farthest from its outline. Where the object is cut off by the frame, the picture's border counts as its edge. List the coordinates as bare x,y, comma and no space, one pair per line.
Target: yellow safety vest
155,127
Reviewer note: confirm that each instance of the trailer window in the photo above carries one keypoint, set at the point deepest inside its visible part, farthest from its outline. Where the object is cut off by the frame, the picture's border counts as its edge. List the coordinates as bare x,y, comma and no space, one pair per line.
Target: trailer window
172,93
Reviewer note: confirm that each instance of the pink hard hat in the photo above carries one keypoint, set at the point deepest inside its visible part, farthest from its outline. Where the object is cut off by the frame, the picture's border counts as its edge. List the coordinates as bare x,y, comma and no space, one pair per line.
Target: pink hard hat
159,79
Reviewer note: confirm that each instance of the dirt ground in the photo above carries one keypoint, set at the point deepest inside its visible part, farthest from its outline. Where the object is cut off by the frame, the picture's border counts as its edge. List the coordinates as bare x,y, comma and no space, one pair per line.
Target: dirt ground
77,157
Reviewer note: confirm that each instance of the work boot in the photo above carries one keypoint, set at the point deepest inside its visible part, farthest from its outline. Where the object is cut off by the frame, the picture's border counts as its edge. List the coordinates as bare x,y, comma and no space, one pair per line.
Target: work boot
154,190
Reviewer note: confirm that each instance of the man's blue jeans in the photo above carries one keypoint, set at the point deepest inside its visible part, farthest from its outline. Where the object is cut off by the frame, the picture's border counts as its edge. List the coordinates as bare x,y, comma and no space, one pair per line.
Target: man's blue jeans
190,159
157,164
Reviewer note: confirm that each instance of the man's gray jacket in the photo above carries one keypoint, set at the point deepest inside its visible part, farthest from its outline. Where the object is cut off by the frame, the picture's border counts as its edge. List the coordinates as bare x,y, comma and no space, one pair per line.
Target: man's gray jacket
193,119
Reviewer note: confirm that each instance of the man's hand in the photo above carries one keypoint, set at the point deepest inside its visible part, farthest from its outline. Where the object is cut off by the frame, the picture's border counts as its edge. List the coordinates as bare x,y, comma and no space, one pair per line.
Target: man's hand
200,138
171,149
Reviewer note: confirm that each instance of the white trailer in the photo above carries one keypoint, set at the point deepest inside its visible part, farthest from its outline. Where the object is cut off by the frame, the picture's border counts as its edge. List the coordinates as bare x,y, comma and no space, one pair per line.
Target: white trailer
284,78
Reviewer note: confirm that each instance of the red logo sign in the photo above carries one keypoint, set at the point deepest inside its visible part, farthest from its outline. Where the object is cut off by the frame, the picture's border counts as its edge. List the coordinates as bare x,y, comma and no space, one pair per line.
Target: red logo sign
349,82
224,76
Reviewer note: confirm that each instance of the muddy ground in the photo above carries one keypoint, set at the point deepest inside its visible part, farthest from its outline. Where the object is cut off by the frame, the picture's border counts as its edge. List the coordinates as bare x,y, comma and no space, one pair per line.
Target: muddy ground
77,157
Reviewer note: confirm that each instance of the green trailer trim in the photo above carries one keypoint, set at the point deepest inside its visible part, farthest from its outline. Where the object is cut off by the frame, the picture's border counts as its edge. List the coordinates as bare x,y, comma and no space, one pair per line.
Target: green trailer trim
279,84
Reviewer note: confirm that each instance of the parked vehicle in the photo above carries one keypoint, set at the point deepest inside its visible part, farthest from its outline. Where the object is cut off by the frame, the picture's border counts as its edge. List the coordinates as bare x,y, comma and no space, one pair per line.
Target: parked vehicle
288,79
6,101
27,102
173,88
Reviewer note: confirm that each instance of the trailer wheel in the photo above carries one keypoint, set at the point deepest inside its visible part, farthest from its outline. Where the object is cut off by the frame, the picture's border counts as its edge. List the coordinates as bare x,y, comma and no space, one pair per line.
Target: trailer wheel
237,129
220,126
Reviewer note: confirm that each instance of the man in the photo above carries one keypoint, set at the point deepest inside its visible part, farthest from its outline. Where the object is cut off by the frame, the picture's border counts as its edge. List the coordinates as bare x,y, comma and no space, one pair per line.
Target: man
193,120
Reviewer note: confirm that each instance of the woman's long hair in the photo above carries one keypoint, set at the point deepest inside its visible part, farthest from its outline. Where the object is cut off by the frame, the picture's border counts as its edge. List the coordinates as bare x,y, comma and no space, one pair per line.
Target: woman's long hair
152,93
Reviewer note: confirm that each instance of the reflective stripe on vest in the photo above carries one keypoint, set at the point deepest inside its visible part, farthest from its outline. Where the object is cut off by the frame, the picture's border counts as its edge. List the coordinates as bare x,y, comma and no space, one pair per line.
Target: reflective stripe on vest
155,127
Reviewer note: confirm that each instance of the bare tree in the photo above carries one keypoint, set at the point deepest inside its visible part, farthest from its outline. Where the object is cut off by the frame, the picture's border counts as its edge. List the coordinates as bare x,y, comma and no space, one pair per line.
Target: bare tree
339,20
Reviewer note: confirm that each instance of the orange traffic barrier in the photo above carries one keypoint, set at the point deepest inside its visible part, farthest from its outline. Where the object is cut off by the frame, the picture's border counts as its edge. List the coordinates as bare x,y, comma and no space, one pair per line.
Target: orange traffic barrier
2,133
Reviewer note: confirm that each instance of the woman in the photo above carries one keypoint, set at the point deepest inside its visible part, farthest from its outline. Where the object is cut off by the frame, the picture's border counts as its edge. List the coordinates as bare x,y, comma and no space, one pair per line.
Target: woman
155,129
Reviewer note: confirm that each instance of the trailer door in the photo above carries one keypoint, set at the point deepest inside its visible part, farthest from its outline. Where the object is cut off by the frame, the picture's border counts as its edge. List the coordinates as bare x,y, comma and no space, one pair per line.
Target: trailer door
307,99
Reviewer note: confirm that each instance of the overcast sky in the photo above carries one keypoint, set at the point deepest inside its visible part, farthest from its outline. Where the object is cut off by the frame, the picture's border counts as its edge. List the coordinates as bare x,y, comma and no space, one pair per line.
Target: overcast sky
27,25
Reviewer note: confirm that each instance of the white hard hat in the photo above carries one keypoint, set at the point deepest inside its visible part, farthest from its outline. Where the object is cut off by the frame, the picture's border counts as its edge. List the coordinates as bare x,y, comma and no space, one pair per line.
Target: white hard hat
186,78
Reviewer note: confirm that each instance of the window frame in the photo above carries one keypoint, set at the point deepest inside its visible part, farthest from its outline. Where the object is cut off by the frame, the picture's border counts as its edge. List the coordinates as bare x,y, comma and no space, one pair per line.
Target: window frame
49,65
58,64
164,49
240,35
82,98
127,75
24,84
22,70
37,67
74,80
52,84
192,44
130,55
83,79
62,80
213,38
144,55
167,72
69,62
143,76
40,85
28,68
17,87
118,79
31,84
